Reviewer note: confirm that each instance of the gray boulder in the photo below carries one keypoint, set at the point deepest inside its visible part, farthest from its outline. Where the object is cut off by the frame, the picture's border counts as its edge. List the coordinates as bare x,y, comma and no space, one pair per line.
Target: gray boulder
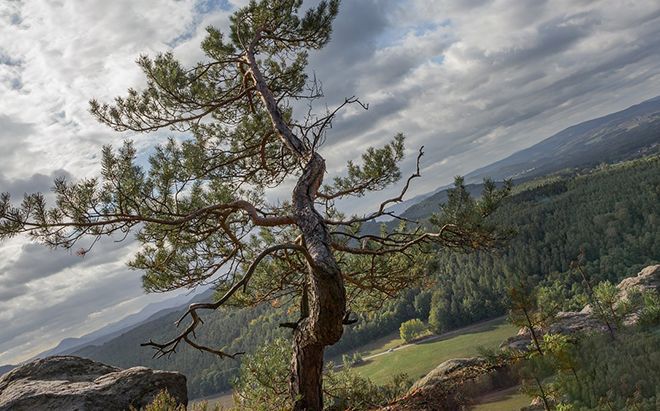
565,322
537,405
647,280
78,384
452,385
445,371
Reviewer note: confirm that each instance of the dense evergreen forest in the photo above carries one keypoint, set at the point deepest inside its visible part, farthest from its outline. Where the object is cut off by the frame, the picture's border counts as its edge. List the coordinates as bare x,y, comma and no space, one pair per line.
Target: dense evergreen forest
609,213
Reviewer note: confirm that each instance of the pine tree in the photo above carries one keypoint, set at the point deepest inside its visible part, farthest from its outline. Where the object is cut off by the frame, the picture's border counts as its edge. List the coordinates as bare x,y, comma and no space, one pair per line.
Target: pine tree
200,211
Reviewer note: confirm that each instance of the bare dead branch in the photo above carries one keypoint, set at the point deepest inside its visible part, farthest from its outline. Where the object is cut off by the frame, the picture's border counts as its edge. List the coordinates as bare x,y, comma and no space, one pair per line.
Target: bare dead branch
381,210
170,347
387,248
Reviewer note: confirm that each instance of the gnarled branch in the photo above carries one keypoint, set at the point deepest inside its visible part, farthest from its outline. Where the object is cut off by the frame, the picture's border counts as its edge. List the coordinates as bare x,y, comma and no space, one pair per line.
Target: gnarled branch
381,210
170,347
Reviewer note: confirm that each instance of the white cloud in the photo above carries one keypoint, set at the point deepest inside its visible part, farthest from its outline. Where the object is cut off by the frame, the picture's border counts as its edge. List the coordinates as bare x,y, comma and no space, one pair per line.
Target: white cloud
473,81
507,75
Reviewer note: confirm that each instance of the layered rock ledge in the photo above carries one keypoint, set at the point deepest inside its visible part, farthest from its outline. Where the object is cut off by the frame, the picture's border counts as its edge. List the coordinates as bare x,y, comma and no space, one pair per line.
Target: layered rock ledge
78,384
585,321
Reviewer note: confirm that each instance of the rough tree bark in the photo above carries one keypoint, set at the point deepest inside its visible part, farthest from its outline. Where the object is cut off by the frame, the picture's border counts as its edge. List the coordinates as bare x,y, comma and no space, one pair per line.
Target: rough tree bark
322,325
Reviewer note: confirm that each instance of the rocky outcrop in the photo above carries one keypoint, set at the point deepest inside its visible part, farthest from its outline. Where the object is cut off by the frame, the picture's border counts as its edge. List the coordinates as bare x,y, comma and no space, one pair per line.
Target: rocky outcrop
567,323
647,280
452,384
584,321
74,383
537,405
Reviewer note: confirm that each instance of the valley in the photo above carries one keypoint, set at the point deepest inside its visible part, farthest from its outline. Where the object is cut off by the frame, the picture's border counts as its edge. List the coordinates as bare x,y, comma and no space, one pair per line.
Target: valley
417,359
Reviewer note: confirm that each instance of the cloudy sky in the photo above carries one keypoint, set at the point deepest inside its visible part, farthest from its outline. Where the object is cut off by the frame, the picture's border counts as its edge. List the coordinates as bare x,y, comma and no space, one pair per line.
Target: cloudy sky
471,80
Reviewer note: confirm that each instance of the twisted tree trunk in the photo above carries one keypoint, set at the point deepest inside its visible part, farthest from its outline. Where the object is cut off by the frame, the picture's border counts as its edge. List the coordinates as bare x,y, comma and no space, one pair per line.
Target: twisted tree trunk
322,324
326,296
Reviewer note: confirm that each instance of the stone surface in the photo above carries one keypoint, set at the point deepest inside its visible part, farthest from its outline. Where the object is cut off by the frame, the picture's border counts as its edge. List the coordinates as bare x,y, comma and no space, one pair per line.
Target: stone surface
452,384
78,384
535,405
648,279
445,371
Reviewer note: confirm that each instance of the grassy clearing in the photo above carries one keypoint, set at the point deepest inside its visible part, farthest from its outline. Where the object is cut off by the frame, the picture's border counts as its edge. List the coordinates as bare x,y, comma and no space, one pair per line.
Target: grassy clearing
417,360
375,347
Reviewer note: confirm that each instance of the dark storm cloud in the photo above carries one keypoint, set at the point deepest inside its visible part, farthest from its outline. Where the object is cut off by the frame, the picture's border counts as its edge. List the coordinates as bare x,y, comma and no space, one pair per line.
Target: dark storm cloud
344,129
37,183
37,261
551,38
9,292
355,34
508,95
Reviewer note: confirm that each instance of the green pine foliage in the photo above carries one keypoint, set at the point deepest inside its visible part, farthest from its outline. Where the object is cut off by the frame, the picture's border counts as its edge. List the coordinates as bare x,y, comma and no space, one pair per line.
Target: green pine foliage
620,375
165,402
611,214
263,383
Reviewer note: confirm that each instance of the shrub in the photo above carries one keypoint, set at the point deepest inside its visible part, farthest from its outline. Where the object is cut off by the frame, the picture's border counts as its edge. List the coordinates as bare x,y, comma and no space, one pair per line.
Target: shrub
412,329
165,402
350,360
619,375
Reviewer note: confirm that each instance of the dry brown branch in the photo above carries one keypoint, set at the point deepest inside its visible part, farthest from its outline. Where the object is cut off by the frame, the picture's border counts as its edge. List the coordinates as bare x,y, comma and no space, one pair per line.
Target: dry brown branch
170,347
381,210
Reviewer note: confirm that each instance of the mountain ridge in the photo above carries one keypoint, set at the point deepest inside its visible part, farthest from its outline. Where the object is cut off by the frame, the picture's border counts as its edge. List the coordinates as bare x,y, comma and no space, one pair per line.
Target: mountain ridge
584,144
115,329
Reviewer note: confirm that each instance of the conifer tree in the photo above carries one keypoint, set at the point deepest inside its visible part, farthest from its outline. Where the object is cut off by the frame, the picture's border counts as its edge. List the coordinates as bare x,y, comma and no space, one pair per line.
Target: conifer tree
200,212
523,311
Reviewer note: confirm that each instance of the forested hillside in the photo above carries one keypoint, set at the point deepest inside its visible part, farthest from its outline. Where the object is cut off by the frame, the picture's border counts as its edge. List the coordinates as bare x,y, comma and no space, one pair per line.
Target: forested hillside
611,213
624,135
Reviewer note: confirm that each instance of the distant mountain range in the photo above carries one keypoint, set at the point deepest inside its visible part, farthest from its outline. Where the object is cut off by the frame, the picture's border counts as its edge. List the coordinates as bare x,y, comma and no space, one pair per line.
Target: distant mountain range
619,136
108,332
626,134
112,330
